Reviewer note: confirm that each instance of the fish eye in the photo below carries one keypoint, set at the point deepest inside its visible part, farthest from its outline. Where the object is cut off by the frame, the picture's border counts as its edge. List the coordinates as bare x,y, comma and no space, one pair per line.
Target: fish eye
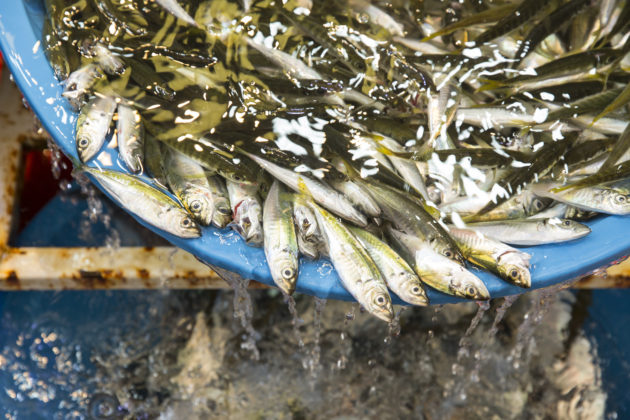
380,300
621,198
287,273
472,291
186,222
567,223
195,205
83,142
538,205
236,178
225,210
415,290
448,254
513,273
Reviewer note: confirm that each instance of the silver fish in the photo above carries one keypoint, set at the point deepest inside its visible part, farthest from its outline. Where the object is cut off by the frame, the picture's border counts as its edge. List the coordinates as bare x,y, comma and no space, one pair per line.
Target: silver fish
601,199
322,194
310,239
378,16
400,278
247,211
508,263
93,124
295,67
130,135
436,270
189,182
146,202
280,242
532,231
79,81
517,207
107,60
358,273
222,211
357,194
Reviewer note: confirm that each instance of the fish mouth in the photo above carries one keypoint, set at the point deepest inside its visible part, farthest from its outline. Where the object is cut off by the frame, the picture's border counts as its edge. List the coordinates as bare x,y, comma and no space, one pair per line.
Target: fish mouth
417,300
286,287
482,294
85,155
525,281
384,314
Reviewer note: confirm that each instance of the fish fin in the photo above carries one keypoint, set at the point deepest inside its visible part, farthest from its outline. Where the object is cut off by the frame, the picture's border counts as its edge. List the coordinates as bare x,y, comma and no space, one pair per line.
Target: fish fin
490,85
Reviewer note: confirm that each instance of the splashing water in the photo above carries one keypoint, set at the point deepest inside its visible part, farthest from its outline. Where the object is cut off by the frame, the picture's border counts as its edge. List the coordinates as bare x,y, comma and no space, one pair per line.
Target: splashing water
296,322
480,354
393,329
243,309
313,361
465,342
533,317
95,214
508,301
346,345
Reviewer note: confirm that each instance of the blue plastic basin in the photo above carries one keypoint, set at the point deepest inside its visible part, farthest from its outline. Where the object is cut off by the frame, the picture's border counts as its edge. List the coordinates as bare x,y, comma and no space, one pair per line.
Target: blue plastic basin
20,33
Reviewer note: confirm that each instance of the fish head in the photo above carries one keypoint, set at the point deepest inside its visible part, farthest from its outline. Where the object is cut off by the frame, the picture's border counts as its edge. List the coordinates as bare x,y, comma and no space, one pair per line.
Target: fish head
199,204
247,221
516,274
284,271
184,225
305,221
222,214
514,267
379,303
253,230
86,148
567,228
465,284
411,289
619,203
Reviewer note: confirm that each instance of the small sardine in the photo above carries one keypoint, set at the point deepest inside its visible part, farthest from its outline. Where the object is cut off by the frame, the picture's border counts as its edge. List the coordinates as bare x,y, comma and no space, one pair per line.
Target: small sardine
400,278
436,270
222,211
310,239
519,206
130,138
294,67
378,16
247,212
154,160
322,194
93,124
280,243
107,60
508,263
189,182
357,194
146,202
532,231
409,217
79,81
357,271
601,199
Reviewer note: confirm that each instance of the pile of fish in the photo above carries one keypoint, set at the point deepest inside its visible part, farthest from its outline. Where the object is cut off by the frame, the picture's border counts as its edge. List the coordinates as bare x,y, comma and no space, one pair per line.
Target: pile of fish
400,139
